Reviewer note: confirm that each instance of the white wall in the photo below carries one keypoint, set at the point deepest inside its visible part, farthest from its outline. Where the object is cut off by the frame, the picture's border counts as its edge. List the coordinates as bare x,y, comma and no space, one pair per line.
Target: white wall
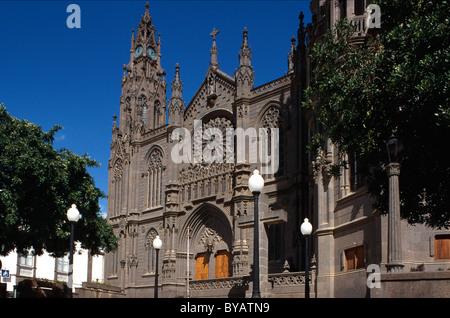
46,265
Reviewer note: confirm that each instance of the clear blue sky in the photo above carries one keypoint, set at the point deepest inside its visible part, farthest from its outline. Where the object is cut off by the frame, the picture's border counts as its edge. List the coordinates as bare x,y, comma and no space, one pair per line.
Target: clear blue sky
50,74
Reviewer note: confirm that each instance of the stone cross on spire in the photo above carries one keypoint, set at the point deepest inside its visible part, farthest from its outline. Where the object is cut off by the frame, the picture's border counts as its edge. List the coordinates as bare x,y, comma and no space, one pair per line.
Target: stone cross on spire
214,33
214,62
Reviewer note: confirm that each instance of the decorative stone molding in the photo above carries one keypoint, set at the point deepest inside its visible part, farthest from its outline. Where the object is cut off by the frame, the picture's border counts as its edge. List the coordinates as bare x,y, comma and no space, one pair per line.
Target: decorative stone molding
219,283
288,279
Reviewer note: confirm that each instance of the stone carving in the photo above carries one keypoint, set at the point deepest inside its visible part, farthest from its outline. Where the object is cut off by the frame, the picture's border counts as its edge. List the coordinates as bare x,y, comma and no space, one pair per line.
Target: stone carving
208,239
118,170
198,172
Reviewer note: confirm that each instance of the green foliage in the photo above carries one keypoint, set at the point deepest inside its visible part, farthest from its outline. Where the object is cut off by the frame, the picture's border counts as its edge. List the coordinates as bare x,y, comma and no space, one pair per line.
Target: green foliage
397,80
39,184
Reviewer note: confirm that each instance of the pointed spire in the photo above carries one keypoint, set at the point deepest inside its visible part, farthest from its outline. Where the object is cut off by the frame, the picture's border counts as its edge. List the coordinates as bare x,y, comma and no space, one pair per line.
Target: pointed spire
301,30
146,31
176,103
214,50
244,38
291,56
147,12
177,85
245,76
245,54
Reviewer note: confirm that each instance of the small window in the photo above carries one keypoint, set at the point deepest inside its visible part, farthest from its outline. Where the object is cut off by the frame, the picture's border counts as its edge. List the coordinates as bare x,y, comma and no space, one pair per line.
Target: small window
275,236
62,264
360,7
356,178
354,258
442,247
26,259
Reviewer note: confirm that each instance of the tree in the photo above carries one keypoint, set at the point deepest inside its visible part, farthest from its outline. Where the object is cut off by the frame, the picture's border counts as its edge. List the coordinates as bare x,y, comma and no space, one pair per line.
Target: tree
398,81
38,185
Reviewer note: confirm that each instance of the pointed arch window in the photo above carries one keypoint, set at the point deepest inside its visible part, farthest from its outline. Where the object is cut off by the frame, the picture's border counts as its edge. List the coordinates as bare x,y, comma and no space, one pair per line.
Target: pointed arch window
150,258
272,149
118,191
155,179
158,115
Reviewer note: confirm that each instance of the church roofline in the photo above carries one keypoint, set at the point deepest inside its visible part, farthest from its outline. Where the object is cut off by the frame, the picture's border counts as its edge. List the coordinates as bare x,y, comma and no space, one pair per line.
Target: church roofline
223,75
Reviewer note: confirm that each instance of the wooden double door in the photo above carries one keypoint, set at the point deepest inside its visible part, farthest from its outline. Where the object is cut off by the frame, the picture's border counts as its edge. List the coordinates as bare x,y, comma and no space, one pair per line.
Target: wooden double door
222,265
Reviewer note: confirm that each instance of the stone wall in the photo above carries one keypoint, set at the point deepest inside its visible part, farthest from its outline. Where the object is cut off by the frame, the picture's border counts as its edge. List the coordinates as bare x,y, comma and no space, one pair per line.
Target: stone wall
94,290
413,285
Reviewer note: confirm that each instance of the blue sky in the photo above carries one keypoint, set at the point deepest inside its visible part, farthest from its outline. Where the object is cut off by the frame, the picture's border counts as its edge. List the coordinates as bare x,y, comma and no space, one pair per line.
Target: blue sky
51,74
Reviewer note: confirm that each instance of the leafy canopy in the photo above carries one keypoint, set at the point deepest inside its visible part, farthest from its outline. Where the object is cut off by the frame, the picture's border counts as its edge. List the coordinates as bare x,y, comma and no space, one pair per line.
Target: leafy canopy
396,81
38,185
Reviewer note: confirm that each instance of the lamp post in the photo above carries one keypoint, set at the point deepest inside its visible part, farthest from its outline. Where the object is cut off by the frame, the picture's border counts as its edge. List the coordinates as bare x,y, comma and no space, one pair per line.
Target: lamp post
256,184
394,147
306,229
157,244
73,215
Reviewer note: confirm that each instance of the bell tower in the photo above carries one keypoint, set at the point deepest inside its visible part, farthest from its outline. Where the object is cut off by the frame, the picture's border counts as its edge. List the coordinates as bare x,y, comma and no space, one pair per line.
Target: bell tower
143,101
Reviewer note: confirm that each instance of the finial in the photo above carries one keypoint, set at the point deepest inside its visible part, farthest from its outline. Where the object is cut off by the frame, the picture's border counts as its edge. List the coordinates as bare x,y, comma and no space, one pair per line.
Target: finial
177,72
147,6
301,16
245,38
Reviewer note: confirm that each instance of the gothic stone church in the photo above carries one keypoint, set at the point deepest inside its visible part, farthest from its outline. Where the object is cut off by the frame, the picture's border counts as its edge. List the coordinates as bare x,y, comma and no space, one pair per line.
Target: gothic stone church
203,213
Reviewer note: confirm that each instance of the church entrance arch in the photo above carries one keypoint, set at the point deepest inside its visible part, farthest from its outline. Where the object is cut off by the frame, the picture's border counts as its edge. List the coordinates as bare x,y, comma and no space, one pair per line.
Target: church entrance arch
210,242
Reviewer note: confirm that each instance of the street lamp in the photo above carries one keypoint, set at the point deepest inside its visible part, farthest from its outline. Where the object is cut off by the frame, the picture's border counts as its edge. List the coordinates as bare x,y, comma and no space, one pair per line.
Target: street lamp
73,215
394,147
256,184
306,229
157,244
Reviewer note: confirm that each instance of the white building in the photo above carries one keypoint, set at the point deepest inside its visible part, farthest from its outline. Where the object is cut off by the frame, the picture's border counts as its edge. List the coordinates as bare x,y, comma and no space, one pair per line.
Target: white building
16,267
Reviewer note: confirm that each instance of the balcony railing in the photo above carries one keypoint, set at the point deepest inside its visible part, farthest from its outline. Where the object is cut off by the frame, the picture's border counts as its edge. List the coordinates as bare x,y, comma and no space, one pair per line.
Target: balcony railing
219,283
281,284
361,24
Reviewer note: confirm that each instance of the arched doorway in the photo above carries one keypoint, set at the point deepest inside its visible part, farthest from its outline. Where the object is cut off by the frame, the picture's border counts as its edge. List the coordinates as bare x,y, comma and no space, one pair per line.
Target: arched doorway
210,241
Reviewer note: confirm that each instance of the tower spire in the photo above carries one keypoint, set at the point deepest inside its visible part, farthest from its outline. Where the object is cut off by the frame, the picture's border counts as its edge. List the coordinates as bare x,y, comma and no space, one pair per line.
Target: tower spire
245,76
177,85
245,54
176,103
146,30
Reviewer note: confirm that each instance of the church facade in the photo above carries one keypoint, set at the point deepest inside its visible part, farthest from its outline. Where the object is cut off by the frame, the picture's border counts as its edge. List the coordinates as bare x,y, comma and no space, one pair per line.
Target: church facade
169,178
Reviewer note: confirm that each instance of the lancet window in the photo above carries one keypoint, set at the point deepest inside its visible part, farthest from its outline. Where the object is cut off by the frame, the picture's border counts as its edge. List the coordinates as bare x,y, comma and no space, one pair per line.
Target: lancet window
118,187
150,261
155,179
272,149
